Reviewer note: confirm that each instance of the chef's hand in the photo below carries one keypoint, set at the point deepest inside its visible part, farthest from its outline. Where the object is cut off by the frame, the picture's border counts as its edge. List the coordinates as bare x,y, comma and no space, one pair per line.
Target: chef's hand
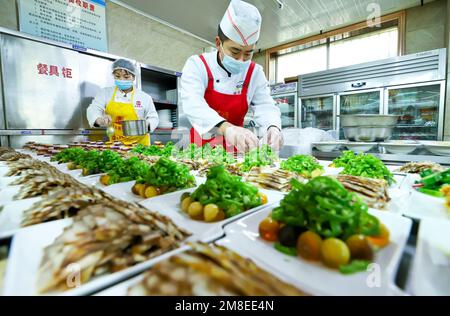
243,139
273,138
104,121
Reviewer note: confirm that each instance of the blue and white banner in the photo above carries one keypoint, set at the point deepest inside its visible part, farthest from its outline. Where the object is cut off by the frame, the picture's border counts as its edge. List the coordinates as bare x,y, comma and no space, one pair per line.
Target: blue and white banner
80,23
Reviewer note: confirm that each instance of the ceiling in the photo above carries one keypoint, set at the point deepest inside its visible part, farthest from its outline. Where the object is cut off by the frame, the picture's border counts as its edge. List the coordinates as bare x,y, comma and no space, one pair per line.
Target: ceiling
298,18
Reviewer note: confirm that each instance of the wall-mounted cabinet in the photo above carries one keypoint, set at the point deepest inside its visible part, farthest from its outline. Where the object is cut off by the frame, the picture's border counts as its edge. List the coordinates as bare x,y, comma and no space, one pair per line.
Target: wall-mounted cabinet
46,88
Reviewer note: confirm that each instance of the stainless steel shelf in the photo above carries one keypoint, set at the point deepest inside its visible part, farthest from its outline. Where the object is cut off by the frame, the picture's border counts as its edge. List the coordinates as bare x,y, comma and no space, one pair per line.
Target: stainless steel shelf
164,102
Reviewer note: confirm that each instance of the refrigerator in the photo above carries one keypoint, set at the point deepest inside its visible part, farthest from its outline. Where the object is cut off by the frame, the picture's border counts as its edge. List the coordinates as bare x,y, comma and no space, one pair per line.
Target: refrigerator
318,112
286,98
360,102
411,86
418,108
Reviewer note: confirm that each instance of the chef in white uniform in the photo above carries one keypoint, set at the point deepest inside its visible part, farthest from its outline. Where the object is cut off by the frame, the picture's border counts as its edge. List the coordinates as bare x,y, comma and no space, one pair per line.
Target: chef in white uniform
218,88
124,101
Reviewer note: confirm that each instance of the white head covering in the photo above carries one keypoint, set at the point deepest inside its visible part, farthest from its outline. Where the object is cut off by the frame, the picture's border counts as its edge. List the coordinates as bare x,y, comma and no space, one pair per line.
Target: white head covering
242,23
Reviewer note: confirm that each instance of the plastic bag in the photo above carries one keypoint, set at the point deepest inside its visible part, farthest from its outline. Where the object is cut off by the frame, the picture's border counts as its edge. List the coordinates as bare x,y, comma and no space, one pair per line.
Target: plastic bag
302,139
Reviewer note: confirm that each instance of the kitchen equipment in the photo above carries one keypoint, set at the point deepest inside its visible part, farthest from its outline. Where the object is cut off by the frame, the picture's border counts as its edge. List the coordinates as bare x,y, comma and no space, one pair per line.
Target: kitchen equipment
368,127
357,120
438,148
134,127
360,147
165,115
317,112
285,97
110,131
400,148
327,146
400,85
165,125
368,133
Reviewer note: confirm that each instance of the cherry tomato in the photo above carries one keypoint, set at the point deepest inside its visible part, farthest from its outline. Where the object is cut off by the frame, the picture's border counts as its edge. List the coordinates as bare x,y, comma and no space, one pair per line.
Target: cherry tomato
381,240
263,198
268,229
308,245
334,252
360,247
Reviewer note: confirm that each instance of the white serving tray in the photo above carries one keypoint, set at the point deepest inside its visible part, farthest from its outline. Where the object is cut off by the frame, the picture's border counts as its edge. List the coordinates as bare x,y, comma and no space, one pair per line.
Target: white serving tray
430,274
242,236
12,214
6,181
169,205
26,253
420,206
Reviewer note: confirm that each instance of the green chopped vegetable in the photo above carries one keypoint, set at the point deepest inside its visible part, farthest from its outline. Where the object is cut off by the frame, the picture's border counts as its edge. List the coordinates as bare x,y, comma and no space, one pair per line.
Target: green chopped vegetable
95,162
432,183
129,170
363,165
290,251
91,161
169,175
344,159
70,155
307,166
153,150
354,267
216,155
325,207
258,157
228,192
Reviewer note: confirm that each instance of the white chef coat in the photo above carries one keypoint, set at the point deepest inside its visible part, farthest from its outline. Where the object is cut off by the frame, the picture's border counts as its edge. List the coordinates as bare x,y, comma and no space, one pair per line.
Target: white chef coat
143,105
194,82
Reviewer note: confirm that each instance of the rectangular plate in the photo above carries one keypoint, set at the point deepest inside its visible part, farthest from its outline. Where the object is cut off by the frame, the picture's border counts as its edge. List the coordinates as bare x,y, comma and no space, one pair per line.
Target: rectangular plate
242,236
7,194
12,214
6,181
3,170
420,206
122,191
431,268
26,253
169,205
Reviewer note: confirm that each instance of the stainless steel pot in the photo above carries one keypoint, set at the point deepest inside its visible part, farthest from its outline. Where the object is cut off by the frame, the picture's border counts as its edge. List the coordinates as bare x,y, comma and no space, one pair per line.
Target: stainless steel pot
134,128
368,133
370,120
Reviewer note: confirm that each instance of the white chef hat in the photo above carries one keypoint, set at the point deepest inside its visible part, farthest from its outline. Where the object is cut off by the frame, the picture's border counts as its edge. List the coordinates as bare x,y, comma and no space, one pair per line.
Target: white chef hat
241,23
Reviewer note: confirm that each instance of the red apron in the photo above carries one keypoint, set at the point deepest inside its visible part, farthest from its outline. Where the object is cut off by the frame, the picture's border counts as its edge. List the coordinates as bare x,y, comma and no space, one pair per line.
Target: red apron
232,107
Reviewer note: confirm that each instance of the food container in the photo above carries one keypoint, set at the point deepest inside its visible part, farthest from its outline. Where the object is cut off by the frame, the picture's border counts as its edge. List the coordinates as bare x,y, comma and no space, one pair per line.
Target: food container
368,133
400,148
134,128
437,148
368,127
360,147
327,146
356,120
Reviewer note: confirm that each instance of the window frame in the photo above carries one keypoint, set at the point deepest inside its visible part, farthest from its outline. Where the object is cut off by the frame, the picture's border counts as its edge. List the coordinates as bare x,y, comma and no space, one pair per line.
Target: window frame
399,16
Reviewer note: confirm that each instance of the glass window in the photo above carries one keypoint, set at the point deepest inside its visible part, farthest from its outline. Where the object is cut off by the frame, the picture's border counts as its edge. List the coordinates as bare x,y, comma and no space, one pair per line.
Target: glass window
302,62
341,50
364,48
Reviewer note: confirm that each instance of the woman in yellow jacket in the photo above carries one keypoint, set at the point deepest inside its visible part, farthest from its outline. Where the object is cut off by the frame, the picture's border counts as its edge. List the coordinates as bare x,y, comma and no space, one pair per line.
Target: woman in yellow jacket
123,102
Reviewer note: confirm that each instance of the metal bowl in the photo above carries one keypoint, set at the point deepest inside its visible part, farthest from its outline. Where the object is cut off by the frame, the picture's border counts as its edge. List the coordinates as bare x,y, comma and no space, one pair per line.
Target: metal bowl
372,120
400,148
134,128
368,133
360,147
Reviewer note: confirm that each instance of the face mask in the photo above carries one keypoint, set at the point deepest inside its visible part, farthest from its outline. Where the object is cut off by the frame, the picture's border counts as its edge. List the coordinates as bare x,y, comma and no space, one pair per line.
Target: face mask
123,84
234,66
